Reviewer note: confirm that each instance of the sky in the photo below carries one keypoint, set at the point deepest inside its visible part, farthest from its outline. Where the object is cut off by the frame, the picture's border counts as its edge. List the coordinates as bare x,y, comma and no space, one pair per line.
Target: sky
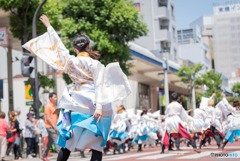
189,10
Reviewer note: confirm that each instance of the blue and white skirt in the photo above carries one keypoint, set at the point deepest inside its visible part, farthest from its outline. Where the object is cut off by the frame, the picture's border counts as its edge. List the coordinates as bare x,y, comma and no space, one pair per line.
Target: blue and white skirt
230,135
78,131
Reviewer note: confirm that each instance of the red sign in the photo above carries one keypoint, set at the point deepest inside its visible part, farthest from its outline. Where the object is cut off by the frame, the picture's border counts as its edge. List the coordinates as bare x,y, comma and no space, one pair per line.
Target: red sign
3,37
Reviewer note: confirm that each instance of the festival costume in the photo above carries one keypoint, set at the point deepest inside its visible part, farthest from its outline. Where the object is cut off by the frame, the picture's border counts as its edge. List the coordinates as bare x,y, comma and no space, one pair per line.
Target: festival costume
94,87
119,126
142,130
233,123
176,119
218,119
210,111
198,122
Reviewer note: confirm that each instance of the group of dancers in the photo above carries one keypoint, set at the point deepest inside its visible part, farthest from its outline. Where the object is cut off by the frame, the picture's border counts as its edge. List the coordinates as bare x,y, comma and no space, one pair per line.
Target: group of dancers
86,118
221,123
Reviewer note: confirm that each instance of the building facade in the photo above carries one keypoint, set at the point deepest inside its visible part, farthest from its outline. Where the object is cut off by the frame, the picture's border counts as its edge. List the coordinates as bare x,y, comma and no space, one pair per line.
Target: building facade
159,15
196,53
226,38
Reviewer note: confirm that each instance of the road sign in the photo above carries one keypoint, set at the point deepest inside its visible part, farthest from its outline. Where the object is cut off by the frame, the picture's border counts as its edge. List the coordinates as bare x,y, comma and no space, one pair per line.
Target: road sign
29,103
3,37
28,92
1,89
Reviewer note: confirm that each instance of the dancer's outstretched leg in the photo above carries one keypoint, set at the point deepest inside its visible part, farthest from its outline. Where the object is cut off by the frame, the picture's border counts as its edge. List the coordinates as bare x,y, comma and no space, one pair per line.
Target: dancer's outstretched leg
63,154
96,155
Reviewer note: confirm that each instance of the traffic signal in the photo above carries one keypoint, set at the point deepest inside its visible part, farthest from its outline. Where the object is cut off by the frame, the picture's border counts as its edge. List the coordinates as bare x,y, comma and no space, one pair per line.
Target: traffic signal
27,66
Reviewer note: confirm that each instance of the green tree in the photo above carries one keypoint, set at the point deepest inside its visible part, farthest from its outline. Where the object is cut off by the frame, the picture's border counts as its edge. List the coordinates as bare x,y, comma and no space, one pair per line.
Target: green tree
21,16
236,88
199,97
111,24
231,99
188,75
213,81
44,82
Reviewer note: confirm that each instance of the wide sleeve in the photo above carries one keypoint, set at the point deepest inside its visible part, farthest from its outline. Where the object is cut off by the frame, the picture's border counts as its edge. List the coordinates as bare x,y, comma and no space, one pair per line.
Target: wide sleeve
184,115
167,112
230,107
50,49
111,84
225,107
213,115
204,103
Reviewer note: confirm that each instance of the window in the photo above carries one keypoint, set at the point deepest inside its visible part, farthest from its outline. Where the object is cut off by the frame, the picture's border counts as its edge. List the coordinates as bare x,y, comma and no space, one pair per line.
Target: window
144,95
162,3
173,30
163,24
137,5
172,11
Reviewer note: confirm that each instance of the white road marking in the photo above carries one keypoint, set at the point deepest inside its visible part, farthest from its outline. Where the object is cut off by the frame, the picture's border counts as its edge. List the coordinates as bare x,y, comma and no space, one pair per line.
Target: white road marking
164,155
133,155
198,155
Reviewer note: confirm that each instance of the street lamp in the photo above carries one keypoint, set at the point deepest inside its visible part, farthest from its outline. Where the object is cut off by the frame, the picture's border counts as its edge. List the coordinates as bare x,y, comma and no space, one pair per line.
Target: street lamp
34,34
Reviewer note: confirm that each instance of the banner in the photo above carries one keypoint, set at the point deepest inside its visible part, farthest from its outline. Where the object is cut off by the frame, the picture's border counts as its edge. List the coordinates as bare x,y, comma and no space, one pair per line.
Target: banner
3,37
1,89
162,99
28,92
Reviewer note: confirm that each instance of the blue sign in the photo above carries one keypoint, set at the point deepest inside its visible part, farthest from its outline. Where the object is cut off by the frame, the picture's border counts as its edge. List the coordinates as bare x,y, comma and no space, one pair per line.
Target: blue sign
1,89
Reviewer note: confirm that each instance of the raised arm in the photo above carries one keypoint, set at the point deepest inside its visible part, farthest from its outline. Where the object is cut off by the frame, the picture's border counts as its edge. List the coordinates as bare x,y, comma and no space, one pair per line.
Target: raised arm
49,47
45,21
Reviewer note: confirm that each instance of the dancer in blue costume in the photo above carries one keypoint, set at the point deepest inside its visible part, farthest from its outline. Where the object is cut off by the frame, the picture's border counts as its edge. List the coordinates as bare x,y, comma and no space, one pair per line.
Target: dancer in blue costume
86,109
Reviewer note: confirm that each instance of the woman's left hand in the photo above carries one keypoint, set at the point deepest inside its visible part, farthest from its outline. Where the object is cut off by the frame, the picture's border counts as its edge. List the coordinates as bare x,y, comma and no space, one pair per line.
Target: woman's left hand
45,20
97,114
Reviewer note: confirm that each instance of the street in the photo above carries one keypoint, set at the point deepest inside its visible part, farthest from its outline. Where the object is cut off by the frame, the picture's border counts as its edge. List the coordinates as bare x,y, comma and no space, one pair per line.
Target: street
148,153
187,153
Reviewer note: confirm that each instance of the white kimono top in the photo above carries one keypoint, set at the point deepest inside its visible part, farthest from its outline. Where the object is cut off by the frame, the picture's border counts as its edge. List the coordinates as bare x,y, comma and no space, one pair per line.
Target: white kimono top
210,111
225,107
174,115
198,122
94,86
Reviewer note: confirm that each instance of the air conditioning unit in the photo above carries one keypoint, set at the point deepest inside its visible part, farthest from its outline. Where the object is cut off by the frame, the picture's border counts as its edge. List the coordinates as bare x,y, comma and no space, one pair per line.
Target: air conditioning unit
165,45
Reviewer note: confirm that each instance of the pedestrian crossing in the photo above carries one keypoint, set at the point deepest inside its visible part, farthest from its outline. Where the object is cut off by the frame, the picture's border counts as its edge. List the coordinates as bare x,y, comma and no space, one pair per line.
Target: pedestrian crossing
198,155
159,156
186,155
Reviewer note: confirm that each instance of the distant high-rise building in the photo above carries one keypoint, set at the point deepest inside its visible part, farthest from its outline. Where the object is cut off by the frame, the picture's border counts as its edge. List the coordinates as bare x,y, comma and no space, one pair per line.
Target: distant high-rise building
187,36
191,45
159,15
226,38
203,28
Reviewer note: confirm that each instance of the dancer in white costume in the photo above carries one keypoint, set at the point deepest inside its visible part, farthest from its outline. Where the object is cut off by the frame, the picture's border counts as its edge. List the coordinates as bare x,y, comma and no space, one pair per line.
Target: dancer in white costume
141,135
152,128
119,127
85,105
175,120
213,125
233,124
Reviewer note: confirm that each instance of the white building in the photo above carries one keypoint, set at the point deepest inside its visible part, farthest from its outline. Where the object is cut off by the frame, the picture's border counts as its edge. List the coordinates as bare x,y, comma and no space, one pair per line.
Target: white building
159,15
226,38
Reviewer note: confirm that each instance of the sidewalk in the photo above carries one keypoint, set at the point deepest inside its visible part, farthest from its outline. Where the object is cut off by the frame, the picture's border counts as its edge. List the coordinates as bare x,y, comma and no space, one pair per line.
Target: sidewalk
52,157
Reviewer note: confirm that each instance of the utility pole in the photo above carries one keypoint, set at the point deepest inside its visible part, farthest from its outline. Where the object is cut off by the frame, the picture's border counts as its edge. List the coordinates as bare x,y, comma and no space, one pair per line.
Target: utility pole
10,76
166,90
34,34
193,99
54,76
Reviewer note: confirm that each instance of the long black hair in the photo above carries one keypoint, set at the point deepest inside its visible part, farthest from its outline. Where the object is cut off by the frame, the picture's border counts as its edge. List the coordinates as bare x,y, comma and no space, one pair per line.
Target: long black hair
80,42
